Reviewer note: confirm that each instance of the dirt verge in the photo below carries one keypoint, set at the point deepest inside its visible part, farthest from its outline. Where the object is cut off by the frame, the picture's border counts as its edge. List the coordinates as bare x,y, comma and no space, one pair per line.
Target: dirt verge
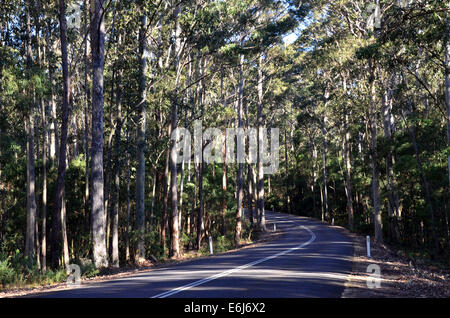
399,276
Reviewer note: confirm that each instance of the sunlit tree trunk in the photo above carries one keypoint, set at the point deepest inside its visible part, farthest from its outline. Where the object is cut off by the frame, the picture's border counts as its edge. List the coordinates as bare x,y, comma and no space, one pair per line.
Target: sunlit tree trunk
98,226
249,169
165,196
239,181
260,164
224,188
117,167
224,156
173,157
348,171
44,191
286,164
324,171
374,157
86,99
59,213
127,238
200,217
140,172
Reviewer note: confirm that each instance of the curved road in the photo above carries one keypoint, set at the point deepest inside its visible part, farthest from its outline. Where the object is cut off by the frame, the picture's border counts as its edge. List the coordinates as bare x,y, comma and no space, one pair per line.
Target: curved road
310,259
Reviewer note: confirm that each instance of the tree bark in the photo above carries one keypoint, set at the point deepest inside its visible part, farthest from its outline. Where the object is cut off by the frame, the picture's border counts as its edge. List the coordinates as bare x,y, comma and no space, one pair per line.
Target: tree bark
44,191
117,167
127,239
239,181
200,222
374,157
173,157
98,60
30,248
86,132
348,168
165,196
58,219
393,200
324,171
260,163
224,188
286,164
140,173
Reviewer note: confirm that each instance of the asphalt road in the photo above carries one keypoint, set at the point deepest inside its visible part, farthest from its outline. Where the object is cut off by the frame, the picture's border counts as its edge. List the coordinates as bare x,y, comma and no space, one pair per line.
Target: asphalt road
309,260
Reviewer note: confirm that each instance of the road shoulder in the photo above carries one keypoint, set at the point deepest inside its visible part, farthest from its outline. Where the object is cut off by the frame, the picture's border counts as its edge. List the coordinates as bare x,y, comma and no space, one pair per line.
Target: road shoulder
399,276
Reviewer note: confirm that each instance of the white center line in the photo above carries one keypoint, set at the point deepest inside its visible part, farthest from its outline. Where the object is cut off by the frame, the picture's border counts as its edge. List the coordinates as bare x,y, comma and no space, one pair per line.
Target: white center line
234,270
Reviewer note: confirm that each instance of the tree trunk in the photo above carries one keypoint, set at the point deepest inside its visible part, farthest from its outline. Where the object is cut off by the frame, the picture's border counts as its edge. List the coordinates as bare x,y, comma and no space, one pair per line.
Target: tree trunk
314,175
224,164
165,196
127,243
324,171
286,163
239,181
42,263
348,168
260,164
447,86
447,103
58,223
140,173
224,188
86,118
30,248
117,167
98,60
393,200
66,257
173,157
200,223
373,149
44,191
249,169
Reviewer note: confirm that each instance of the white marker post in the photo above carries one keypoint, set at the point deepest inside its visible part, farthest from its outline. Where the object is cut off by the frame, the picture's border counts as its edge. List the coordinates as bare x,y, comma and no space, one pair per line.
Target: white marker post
332,221
368,245
274,227
211,252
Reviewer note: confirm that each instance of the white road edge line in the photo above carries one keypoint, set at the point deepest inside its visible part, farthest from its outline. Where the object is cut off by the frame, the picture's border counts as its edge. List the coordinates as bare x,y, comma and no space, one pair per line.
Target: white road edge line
234,270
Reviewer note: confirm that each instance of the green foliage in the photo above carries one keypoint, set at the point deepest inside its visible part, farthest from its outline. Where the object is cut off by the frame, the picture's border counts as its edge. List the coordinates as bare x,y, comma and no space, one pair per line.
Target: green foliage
7,274
15,272
223,244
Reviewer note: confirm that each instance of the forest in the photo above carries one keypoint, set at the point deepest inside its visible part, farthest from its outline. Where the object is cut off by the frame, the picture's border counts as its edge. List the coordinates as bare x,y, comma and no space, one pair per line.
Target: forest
92,93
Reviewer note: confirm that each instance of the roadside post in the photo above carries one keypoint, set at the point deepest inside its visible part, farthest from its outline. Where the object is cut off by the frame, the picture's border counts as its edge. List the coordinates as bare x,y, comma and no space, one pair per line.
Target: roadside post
211,252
